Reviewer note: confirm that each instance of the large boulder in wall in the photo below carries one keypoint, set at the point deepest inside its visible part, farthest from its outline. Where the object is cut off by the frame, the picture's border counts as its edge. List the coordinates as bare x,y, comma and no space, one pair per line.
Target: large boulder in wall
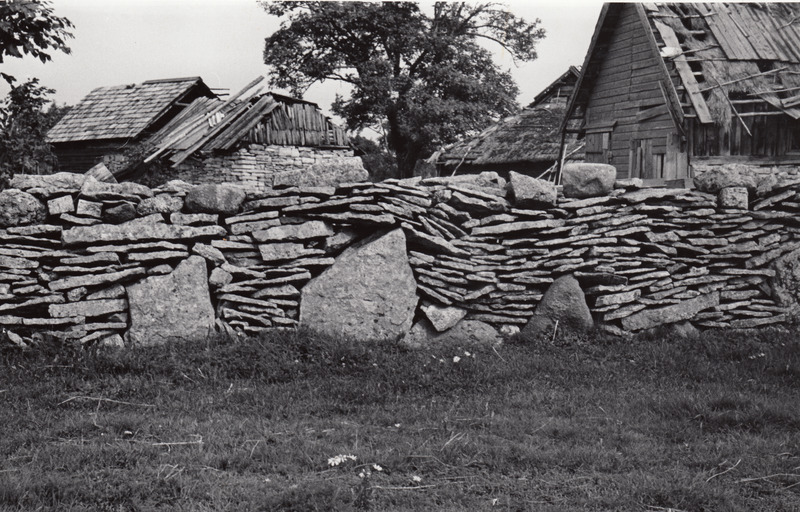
171,307
209,198
369,293
528,192
582,180
18,208
563,302
786,282
714,179
465,334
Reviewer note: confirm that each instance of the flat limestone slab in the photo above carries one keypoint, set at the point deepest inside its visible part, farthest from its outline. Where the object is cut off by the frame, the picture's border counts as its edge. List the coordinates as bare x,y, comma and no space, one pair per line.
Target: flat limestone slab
294,232
95,279
137,233
685,310
88,308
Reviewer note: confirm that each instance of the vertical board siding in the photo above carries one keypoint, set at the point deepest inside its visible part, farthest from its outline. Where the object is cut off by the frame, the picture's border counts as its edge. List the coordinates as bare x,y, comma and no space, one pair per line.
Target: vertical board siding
627,83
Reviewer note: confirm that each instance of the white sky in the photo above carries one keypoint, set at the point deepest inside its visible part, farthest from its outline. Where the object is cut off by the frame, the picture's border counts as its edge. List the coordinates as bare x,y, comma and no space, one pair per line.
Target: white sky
128,41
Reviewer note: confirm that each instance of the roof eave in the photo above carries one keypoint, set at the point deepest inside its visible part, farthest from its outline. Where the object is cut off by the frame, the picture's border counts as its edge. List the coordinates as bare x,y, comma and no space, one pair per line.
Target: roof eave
579,84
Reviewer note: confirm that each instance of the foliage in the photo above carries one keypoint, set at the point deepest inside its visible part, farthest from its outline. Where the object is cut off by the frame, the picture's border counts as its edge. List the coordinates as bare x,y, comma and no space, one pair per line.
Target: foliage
23,126
425,77
151,174
377,160
29,27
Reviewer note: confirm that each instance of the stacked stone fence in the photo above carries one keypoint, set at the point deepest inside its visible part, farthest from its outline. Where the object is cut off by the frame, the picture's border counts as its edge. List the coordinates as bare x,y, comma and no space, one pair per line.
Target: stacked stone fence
110,264
261,167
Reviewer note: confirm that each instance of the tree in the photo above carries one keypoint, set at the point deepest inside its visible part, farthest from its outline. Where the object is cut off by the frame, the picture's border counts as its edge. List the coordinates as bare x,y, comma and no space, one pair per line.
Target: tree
29,27
424,77
23,126
378,162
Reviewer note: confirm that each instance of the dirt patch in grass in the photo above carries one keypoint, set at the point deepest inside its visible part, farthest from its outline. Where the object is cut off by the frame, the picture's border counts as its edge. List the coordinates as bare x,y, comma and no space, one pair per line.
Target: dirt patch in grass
597,424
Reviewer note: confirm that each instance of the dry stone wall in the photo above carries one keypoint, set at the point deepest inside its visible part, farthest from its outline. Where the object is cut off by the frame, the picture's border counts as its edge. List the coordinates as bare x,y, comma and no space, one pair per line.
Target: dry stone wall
259,167
113,263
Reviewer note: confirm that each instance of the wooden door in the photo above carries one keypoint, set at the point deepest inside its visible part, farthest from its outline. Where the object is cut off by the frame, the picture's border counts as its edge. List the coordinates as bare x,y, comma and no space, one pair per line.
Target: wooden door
598,147
642,162
676,163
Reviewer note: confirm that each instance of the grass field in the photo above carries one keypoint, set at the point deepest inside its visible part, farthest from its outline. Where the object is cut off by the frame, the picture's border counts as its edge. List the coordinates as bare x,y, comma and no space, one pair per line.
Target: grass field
708,424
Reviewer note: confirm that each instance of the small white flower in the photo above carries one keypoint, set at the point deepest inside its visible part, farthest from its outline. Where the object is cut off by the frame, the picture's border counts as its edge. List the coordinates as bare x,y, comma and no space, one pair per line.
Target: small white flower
396,425
361,475
335,461
415,478
456,359
377,467
467,353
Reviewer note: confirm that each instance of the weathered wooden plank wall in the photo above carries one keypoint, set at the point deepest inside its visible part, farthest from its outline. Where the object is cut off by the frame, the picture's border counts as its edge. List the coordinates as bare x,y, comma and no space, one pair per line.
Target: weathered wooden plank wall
626,95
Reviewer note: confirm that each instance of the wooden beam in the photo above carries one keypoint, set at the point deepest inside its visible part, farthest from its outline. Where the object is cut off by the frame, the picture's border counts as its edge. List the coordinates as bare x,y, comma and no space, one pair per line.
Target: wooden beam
745,78
759,114
754,160
733,109
182,131
686,74
665,83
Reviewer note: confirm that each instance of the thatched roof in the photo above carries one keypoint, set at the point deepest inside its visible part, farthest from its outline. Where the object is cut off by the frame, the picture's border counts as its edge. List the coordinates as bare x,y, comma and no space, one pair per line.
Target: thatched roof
529,137
125,111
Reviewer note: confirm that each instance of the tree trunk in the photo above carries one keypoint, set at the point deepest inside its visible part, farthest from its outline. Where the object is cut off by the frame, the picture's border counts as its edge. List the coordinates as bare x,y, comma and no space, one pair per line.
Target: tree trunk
406,150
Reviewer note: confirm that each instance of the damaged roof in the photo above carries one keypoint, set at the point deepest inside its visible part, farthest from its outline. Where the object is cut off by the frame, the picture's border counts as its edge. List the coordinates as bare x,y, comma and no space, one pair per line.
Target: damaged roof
530,136
716,52
125,111
249,116
729,49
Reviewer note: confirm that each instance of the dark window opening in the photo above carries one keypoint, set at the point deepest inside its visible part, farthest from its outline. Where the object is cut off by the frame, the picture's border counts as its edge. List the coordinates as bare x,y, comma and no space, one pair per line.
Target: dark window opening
764,65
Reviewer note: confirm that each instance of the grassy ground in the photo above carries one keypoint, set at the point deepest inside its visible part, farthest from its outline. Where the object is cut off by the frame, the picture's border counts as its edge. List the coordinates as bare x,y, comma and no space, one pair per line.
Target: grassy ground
707,424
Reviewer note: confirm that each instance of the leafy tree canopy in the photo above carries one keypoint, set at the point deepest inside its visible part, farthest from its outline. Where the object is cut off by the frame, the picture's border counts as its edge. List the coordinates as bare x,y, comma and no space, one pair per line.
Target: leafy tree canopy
378,162
425,78
23,126
29,27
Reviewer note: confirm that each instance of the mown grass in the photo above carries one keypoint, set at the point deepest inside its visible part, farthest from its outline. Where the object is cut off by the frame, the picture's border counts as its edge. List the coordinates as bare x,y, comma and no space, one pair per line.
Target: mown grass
705,424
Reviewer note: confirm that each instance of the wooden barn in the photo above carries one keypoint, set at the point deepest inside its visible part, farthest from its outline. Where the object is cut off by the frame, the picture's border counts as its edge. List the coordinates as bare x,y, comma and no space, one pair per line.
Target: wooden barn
109,120
668,87
527,143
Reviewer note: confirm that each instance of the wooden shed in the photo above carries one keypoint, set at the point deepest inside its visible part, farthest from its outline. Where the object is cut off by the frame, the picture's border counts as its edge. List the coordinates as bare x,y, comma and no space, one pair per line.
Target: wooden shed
668,87
527,143
210,126
110,119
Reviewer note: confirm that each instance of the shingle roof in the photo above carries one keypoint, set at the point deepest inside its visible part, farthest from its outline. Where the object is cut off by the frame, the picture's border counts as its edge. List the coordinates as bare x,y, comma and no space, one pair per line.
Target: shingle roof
122,111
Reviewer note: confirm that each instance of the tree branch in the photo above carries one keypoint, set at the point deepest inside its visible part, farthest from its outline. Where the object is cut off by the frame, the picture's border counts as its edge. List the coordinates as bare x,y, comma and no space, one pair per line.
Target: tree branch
498,41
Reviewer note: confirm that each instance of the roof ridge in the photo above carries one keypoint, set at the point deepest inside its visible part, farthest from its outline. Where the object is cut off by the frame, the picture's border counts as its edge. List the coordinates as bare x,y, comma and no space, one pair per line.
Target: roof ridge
165,80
